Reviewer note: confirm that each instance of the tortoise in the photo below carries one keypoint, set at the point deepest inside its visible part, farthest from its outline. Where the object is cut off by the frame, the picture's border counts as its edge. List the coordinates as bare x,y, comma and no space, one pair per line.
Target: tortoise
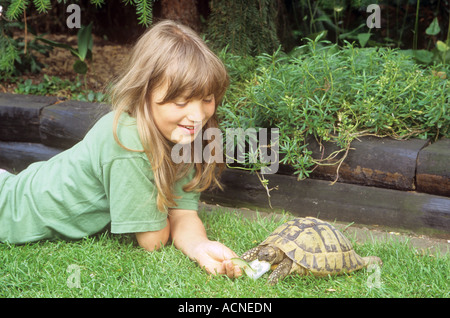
308,246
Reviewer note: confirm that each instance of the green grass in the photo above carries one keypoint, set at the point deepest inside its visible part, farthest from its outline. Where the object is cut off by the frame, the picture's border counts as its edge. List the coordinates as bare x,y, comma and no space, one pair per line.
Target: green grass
114,266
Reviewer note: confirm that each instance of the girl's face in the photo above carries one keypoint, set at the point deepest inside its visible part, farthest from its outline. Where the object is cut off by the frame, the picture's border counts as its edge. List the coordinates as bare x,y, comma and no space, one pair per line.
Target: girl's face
180,121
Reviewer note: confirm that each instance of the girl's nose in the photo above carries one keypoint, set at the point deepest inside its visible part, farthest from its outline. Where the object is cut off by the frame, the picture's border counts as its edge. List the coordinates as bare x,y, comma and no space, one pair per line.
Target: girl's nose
196,111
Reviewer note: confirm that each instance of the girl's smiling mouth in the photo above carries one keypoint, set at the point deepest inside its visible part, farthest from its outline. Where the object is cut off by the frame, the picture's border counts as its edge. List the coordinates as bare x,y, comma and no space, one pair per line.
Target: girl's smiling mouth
189,129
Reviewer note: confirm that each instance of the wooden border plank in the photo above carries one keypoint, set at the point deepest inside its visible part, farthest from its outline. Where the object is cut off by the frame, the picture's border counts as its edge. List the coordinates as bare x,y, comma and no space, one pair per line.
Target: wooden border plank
19,116
372,161
344,202
433,168
17,156
63,125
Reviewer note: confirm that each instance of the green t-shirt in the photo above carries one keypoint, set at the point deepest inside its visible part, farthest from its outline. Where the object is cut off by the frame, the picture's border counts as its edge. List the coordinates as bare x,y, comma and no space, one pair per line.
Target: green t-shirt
82,190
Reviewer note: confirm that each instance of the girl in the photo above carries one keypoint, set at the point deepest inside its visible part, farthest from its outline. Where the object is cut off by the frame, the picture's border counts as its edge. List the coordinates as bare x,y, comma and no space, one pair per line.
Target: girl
121,173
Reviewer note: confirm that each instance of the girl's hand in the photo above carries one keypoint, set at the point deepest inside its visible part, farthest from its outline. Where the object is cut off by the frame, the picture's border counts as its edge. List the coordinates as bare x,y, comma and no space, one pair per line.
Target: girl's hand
189,235
215,258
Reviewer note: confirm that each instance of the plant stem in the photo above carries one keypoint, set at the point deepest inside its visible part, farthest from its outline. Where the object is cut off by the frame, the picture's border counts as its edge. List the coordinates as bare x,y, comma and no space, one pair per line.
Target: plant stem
416,26
26,31
403,24
448,34
311,21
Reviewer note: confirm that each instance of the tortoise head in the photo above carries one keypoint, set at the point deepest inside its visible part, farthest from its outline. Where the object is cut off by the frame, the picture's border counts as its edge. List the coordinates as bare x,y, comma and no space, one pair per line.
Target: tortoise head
270,254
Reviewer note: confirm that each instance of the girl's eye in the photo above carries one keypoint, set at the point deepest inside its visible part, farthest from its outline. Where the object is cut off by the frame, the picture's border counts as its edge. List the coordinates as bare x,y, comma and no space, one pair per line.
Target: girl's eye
209,99
181,104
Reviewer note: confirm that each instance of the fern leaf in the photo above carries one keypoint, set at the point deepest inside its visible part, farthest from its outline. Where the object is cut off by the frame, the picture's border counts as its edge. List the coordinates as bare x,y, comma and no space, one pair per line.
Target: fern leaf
98,3
16,9
42,6
8,56
144,11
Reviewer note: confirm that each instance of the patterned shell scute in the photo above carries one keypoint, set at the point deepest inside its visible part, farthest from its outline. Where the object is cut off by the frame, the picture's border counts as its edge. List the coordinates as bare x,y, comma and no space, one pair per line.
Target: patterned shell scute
315,245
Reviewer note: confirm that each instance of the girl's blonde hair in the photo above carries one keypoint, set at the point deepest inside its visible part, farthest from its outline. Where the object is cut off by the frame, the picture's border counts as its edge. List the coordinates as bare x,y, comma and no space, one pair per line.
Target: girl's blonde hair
173,54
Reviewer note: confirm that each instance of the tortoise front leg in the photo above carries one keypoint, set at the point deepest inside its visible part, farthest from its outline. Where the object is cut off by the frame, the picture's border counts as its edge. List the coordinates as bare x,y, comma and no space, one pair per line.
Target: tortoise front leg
282,270
251,254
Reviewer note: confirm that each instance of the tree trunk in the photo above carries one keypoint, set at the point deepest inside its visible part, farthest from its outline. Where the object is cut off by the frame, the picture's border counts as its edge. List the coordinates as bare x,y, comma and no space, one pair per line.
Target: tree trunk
183,11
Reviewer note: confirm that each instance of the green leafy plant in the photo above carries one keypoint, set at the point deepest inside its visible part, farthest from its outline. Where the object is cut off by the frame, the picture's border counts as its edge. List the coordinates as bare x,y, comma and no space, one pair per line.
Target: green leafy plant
338,94
444,47
11,57
16,8
83,52
17,55
56,86
437,54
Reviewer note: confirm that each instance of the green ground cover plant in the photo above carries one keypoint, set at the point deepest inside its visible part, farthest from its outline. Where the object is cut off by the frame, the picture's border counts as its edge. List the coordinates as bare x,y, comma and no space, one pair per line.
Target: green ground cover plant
114,266
335,94
55,86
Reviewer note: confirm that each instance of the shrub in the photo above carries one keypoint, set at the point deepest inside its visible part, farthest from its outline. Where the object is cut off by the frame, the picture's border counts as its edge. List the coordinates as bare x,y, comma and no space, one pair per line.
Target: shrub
337,95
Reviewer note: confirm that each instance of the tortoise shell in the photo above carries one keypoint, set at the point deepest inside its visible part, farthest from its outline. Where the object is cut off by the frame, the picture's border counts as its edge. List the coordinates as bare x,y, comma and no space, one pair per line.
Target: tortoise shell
316,246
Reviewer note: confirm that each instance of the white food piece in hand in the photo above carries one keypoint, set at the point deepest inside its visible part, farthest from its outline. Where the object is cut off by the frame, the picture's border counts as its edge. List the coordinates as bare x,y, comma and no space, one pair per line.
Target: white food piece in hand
259,267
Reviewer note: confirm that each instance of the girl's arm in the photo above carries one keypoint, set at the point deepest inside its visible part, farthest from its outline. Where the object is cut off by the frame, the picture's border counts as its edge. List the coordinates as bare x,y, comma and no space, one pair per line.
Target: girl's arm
188,235
153,240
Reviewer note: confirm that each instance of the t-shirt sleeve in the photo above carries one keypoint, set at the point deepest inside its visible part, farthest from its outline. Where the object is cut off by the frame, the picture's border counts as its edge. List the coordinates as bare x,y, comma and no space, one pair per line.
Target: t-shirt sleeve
132,196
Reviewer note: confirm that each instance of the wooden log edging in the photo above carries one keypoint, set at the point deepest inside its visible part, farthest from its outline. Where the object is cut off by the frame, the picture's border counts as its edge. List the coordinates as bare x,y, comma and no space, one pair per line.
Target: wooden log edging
17,156
45,119
433,168
409,165
34,128
371,161
408,210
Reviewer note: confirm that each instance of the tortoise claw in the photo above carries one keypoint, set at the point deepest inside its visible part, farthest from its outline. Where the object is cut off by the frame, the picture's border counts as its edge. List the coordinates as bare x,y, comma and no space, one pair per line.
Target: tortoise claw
282,270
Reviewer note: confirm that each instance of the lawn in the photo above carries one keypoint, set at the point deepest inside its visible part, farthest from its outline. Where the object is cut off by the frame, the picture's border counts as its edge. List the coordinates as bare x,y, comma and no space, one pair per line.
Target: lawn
109,265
